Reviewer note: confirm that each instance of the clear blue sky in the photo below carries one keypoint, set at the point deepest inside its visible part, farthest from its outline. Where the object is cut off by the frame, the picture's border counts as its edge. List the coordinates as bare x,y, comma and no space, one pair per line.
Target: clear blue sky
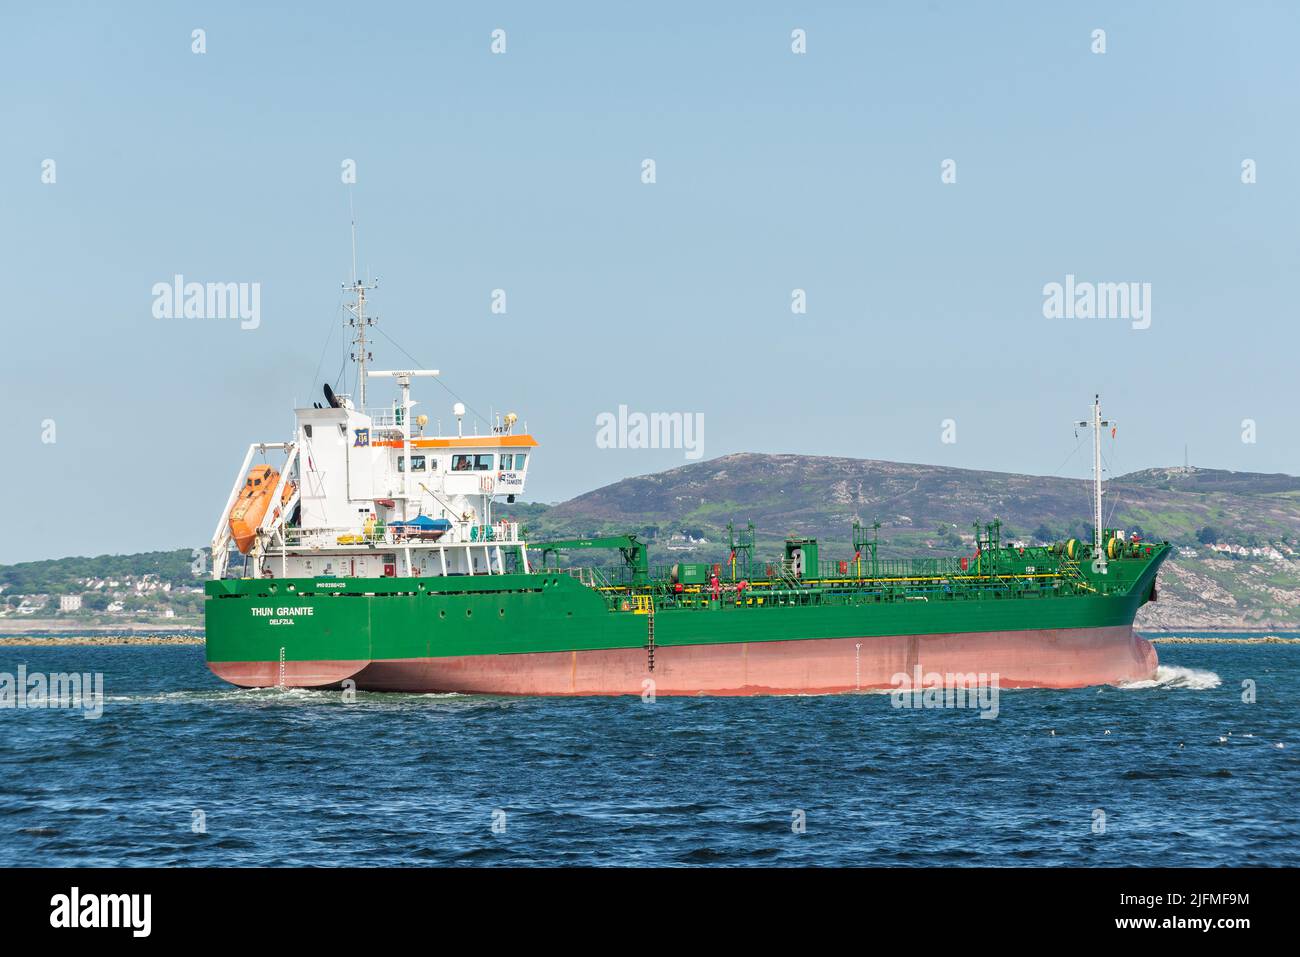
522,172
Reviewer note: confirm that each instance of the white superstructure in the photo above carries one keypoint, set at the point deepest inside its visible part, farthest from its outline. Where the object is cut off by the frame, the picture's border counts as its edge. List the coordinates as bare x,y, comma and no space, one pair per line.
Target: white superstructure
371,493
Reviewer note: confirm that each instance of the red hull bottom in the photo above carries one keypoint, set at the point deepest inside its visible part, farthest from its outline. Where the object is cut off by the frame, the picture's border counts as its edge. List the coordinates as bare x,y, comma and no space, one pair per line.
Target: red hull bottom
1067,658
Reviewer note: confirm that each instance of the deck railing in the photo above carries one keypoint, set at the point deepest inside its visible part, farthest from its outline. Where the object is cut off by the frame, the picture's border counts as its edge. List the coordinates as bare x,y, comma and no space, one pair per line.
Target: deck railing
1039,574
460,533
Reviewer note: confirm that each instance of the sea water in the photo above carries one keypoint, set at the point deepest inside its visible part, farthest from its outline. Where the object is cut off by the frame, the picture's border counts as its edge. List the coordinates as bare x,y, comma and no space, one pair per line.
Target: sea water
1199,767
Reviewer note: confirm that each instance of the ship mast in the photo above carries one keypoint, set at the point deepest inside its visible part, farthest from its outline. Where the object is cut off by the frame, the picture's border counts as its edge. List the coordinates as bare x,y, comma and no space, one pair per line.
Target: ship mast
1097,424
358,321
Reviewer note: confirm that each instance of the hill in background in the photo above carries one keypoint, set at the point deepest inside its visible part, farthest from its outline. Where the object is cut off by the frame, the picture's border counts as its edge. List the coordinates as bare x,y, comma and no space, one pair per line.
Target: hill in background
821,496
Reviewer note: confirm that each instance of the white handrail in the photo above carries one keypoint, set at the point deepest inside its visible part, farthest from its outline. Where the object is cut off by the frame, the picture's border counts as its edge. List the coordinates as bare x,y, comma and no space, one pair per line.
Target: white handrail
221,536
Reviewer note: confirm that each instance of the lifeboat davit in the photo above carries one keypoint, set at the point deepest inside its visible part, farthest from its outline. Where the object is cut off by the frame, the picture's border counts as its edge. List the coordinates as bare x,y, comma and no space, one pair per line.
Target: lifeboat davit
250,508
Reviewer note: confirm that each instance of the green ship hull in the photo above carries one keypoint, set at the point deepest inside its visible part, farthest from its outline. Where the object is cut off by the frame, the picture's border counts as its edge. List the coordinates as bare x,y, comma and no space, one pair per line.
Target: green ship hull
1034,617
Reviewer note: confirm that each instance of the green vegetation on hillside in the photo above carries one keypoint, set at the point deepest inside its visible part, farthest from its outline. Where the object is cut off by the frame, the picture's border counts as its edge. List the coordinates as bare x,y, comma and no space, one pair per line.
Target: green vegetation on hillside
62,575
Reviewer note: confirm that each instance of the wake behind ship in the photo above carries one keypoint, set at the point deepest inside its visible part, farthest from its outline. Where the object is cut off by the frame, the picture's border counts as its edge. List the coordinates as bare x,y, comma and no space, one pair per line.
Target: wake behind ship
372,553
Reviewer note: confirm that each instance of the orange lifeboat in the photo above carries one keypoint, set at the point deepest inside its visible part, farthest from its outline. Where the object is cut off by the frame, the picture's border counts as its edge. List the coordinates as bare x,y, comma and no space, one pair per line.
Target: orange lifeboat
250,508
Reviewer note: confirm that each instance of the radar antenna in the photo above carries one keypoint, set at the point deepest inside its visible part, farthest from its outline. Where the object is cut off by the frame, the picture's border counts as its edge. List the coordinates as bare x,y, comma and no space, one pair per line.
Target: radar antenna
358,321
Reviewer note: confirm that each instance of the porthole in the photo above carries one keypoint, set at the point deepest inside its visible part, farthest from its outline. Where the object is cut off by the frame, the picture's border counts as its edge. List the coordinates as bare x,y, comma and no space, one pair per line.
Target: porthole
442,612
469,612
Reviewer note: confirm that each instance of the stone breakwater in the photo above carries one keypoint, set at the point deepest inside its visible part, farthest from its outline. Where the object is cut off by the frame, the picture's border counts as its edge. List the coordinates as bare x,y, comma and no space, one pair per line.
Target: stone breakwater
1254,640
42,641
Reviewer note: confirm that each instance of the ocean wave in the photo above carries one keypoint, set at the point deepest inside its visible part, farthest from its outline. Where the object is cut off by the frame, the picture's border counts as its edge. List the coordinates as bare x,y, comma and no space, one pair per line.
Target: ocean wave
274,696
1173,676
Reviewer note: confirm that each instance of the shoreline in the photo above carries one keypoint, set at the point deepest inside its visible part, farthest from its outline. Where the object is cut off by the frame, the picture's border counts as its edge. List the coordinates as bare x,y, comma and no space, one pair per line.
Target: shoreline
56,626
1224,640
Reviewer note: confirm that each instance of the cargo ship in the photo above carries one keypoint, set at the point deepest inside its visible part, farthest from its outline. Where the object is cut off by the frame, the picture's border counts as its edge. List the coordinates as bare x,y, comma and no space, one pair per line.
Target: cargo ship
376,553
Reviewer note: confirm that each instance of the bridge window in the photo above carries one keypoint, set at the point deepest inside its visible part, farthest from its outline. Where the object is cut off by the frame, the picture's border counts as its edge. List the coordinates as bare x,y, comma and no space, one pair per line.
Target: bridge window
474,463
417,463
519,461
